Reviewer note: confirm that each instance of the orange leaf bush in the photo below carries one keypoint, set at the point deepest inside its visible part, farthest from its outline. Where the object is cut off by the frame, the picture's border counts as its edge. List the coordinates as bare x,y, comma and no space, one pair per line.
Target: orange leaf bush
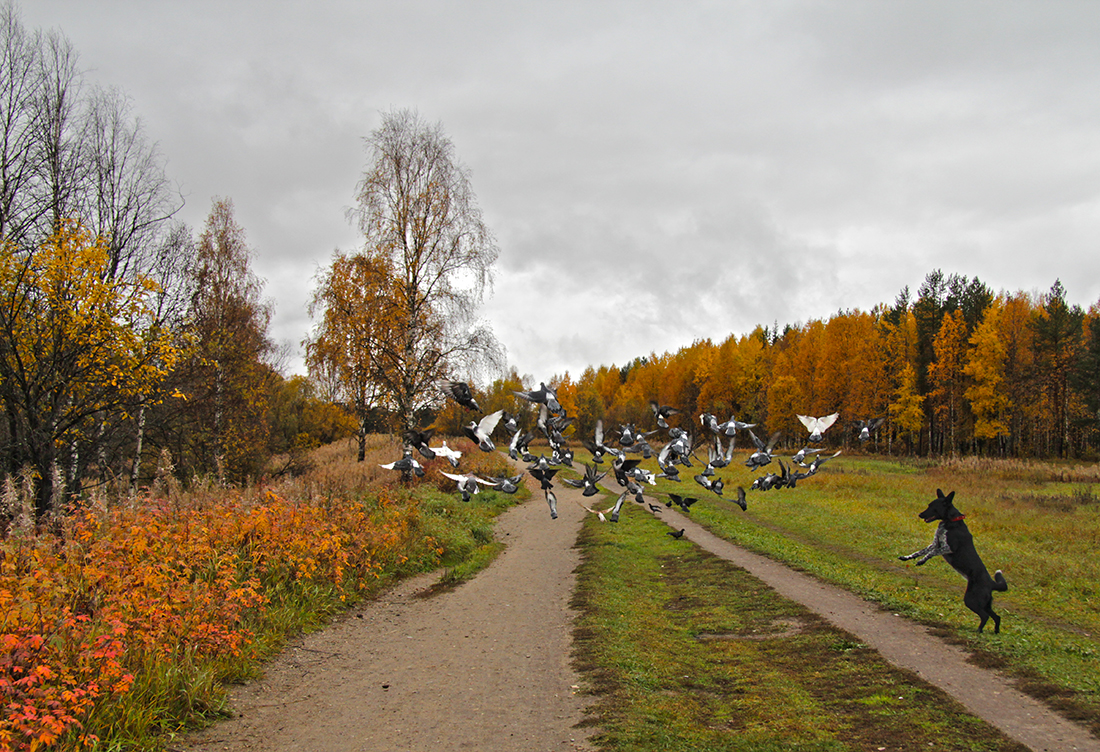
127,588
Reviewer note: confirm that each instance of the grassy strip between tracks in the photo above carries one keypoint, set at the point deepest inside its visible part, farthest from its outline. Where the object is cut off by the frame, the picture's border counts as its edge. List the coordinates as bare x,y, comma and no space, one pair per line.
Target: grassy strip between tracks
685,651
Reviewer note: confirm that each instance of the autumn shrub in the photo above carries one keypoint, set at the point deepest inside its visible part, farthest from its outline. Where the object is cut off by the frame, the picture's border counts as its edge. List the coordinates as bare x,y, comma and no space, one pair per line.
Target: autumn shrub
124,599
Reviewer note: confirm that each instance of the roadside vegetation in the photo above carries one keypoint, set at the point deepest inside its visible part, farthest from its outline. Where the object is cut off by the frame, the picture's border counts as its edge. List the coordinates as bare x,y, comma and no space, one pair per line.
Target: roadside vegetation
123,627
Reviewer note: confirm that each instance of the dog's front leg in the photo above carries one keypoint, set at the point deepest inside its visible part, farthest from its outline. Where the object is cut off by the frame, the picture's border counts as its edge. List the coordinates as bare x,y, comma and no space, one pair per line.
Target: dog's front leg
926,552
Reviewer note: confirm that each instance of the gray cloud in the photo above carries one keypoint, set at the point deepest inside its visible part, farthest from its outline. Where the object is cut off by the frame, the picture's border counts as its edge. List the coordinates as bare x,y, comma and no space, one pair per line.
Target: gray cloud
654,173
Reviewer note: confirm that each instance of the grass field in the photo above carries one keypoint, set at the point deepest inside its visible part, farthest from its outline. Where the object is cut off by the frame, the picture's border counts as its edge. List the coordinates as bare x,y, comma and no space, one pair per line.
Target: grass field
1039,523
686,651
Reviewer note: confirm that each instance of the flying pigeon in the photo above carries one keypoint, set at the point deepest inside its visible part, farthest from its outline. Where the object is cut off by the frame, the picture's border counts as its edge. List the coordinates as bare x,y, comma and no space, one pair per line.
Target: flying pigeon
684,502
461,393
480,432
595,446
543,395
799,457
819,461
818,426
715,485
418,440
468,484
504,485
552,500
452,455
731,426
518,447
406,464
867,426
661,412
763,454
588,482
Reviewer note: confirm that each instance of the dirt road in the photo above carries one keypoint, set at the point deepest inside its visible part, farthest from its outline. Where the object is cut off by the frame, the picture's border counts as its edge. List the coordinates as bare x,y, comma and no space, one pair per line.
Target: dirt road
487,666
484,667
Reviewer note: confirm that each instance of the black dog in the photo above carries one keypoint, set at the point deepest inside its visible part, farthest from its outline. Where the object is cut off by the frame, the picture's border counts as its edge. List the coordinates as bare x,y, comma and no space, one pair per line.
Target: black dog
955,544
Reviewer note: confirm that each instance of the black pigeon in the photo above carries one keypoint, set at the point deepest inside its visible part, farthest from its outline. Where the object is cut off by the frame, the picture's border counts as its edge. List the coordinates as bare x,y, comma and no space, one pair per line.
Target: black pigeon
418,440
655,509
460,392
623,470
678,534
543,476
684,502
661,412
740,500
588,482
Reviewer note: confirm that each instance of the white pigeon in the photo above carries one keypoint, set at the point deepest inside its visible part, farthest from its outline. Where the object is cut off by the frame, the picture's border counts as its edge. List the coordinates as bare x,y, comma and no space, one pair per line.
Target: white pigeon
818,426
480,432
468,484
452,455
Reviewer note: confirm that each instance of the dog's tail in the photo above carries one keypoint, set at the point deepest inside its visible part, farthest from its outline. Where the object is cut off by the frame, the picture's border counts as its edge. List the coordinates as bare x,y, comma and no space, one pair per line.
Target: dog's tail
999,581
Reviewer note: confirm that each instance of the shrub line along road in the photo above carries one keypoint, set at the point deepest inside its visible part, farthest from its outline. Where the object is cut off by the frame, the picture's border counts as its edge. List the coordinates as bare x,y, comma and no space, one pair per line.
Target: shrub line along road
487,666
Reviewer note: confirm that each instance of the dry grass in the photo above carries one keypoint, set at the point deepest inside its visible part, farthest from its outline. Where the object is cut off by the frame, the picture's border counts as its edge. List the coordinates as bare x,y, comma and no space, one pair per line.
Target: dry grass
1023,469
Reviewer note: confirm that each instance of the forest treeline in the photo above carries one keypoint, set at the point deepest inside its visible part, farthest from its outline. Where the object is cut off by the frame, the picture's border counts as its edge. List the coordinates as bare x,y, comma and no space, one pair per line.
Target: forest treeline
132,347
957,369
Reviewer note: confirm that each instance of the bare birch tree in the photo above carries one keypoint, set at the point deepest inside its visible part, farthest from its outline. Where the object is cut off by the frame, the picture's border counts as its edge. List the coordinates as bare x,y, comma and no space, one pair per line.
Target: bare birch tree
418,214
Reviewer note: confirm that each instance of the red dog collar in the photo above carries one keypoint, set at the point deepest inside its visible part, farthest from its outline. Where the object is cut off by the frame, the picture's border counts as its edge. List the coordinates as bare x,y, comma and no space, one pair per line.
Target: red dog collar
956,519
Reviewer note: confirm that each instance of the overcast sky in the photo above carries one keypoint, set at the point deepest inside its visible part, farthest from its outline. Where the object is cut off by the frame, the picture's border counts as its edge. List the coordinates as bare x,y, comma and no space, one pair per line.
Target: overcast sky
654,173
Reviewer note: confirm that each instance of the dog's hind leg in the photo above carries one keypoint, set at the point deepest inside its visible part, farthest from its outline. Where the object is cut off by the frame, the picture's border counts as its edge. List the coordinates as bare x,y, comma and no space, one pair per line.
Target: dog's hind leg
983,607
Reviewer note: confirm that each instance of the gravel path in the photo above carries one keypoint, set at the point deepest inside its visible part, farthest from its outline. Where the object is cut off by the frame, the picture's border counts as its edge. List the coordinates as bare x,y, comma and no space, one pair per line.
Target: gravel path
487,666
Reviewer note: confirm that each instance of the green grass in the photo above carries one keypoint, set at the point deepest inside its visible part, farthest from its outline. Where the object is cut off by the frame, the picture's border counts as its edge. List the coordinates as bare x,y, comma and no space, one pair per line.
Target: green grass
685,651
849,523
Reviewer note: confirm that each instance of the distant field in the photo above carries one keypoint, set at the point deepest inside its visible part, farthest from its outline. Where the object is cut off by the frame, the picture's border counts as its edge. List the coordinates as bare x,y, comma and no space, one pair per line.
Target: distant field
1038,522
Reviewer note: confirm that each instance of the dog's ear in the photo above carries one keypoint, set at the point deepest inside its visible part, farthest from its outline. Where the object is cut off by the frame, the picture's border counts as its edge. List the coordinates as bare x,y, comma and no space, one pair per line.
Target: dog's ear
939,494
950,497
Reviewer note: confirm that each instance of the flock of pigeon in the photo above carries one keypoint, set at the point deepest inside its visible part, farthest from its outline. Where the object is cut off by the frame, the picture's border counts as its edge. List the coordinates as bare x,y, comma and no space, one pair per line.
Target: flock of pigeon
678,451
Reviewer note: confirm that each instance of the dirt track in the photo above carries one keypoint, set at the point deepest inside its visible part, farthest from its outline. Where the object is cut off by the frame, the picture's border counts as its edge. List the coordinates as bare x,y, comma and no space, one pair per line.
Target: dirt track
484,667
487,665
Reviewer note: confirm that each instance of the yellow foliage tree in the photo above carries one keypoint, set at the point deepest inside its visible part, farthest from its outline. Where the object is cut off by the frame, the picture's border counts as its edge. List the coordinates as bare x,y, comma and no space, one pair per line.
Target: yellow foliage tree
945,376
344,352
907,409
76,341
986,367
